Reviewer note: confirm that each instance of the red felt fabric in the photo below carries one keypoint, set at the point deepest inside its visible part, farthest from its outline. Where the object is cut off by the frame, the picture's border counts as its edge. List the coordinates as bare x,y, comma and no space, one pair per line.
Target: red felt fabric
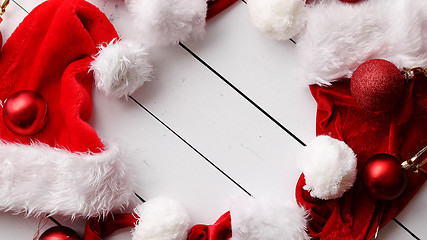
402,132
220,230
217,6
97,229
50,53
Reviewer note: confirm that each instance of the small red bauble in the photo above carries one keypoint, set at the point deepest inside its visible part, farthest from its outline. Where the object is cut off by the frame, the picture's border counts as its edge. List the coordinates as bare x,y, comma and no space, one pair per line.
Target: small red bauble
384,177
59,233
377,85
25,113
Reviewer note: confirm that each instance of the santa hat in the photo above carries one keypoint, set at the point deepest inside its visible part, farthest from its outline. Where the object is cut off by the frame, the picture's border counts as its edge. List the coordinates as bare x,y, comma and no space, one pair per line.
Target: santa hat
355,56
378,111
53,162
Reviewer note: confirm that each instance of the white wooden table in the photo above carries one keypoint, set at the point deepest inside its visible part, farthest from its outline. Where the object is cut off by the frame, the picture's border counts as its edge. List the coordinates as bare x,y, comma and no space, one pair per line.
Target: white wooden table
224,117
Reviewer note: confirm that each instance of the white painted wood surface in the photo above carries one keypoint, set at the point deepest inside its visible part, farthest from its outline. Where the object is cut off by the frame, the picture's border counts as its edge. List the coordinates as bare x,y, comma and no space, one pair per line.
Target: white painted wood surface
197,138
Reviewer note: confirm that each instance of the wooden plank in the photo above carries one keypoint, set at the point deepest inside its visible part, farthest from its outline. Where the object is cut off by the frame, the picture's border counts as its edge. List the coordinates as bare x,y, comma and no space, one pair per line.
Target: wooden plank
392,231
267,71
414,215
219,123
166,166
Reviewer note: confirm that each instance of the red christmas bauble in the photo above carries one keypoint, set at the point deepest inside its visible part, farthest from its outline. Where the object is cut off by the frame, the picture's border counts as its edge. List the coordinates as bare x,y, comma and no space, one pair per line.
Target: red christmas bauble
383,177
25,113
377,85
59,233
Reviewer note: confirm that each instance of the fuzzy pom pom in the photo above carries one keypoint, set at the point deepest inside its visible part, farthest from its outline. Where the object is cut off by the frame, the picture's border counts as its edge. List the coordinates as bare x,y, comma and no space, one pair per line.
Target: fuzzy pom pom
267,219
329,167
161,218
121,67
167,22
377,85
278,18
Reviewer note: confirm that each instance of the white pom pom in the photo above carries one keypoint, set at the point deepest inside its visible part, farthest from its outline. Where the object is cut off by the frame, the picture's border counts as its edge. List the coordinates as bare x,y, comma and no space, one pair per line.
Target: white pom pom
281,19
161,218
166,22
329,167
120,68
267,219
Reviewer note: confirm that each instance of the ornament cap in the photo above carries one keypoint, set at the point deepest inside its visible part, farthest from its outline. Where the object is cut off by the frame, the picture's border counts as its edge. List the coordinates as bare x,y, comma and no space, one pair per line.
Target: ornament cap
410,164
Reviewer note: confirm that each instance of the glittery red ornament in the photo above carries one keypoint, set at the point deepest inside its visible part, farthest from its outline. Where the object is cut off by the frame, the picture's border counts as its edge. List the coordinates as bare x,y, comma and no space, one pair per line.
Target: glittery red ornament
25,113
384,177
377,85
59,233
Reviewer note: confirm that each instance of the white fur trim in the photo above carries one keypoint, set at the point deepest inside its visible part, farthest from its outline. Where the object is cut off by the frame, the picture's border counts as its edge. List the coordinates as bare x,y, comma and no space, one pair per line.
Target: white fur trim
340,36
38,179
329,167
280,19
161,218
267,219
121,67
166,22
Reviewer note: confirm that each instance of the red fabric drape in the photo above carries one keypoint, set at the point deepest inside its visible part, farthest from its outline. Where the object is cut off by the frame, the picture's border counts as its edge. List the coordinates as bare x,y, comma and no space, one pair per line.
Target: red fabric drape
402,132
217,6
220,230
97,229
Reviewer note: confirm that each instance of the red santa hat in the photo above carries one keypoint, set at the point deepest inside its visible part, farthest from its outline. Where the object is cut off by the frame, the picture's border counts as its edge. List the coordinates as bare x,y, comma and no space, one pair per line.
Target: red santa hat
355,56
51,160
379,112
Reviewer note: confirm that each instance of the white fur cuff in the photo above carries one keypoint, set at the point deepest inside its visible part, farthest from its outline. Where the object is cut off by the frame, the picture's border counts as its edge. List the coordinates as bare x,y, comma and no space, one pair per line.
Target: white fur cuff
340,36
38,179
267,219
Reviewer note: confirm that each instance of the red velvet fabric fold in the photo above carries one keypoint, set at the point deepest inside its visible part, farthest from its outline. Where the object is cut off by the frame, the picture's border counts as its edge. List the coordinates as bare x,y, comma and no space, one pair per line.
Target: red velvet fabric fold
97,229
217,6
220,230
402,132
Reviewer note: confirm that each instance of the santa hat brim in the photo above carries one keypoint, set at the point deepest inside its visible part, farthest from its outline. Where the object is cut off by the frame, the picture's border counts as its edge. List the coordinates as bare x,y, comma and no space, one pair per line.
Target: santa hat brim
267,219
341,36
40,179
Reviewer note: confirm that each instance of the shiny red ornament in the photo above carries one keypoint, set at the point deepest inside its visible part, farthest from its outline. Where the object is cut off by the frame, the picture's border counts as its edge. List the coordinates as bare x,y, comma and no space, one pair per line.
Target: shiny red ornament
59,233
25,113
377,85
383,177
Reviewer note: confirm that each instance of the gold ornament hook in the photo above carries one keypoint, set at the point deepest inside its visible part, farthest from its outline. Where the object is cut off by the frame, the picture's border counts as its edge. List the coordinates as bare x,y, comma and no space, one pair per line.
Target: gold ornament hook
410,73
410,164
3,9
3,6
